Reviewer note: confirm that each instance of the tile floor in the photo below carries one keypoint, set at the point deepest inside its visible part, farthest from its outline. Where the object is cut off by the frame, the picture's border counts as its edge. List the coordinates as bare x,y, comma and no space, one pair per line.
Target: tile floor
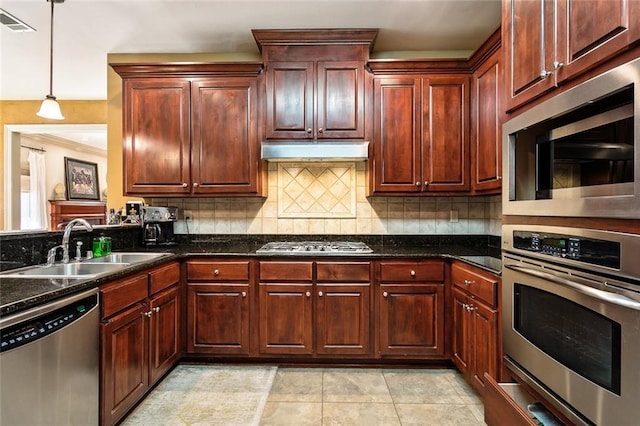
341,396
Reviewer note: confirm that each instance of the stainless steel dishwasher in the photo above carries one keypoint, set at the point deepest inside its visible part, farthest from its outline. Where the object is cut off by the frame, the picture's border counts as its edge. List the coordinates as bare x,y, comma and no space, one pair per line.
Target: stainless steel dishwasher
49,363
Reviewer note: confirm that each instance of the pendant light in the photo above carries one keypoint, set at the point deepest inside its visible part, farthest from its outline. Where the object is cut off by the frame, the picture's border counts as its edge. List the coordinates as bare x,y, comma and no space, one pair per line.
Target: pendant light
50,107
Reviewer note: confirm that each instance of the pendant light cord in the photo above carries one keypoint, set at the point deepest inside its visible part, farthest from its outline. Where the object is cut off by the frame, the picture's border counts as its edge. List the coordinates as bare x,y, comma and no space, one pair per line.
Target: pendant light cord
51,53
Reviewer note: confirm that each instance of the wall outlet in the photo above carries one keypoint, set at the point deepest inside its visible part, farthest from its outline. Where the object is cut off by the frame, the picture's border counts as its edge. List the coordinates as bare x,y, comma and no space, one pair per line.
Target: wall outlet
188,214
453,215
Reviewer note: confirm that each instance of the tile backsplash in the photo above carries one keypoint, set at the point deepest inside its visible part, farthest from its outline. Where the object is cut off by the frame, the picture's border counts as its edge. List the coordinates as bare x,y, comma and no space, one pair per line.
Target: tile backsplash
328,198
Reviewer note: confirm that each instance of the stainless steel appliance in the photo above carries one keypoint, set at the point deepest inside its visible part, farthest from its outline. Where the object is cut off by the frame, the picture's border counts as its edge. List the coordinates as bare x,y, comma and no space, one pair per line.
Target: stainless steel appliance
578,153
571,319
315,248
49,363
157,225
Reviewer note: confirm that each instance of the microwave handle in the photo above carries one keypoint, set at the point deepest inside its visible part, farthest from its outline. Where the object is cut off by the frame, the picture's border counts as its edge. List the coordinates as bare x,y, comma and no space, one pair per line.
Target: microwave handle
605,296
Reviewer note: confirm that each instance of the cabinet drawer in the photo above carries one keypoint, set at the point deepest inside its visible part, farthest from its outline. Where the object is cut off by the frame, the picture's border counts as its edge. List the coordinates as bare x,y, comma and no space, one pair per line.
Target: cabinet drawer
163,277
286,271
411,271
343,272
118,295
478,285
204,270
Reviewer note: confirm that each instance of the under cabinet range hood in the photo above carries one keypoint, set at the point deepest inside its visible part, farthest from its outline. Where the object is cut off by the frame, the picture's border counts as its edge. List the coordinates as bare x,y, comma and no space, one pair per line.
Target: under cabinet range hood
315,151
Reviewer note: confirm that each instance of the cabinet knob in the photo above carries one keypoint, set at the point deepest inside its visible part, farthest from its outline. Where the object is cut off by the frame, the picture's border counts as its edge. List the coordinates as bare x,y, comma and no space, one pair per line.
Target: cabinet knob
147,314
385,294
308,294
418,184
320,293
309,130
195,184
216,272
185,184
320,130
468,282
412,273
244,294
499,177
557,65
426,183
156,309
545,73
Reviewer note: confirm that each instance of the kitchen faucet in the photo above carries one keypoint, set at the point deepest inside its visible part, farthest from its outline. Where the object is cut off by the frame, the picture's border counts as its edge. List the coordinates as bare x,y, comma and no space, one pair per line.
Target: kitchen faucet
67,234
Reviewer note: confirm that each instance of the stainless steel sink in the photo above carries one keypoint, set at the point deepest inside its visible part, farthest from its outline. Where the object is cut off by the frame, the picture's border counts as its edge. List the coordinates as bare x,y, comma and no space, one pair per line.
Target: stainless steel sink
127,257
88,269
65,270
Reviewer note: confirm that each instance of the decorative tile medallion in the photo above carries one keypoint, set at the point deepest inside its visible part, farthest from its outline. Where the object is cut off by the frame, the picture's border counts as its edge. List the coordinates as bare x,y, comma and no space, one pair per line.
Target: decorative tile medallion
317,190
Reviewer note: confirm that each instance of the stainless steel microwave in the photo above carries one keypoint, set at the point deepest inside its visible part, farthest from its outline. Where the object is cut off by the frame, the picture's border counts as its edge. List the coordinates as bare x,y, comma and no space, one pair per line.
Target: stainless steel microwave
578,153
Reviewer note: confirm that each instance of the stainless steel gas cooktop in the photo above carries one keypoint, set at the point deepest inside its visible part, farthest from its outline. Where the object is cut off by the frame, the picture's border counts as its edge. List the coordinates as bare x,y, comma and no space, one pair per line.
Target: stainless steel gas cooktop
314,247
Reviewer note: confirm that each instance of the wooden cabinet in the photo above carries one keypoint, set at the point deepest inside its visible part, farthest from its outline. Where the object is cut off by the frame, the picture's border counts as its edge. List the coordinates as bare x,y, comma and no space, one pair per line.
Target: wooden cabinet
475,343
315,100
548,42
411,315
486,126
64,211
139,337
218,307
203,122
421,134
333,311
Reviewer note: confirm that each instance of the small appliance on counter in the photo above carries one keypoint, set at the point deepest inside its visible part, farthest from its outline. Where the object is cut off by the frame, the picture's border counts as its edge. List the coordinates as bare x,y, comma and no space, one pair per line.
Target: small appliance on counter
157,225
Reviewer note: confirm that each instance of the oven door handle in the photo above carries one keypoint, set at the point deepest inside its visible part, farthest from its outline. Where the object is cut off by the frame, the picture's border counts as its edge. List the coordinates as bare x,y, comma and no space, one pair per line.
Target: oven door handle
605,296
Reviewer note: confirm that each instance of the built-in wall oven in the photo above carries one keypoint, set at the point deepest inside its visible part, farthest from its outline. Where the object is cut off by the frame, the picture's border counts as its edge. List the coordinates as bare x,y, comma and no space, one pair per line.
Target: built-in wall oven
571,319
578,153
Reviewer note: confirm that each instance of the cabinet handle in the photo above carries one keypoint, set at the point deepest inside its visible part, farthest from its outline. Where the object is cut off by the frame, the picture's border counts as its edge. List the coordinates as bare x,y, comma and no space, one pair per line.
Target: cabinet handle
147,314
557,65
320,130
244,294
385,294
156,309
418,184
309,130
426,183
185,184
499,178
320,293
195,184
412,273
468,282
308,294
545,73
216,272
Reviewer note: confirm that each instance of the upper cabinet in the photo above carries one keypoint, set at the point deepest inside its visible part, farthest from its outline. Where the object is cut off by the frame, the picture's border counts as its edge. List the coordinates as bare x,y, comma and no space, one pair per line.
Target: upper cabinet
190,130
315,83
420,134
548,42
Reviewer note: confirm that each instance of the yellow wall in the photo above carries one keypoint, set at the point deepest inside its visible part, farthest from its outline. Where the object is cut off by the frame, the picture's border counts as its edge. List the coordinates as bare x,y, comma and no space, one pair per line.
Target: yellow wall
24,112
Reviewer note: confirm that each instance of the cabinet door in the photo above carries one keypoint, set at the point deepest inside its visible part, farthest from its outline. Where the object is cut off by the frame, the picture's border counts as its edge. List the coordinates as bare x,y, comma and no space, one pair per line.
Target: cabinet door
590,32
411,320
225,150
529,48
286,319
218,318
484,341
343,319
461,342
156,136
486,134
124,363
340,100
164,333
396,164
445,137
289,112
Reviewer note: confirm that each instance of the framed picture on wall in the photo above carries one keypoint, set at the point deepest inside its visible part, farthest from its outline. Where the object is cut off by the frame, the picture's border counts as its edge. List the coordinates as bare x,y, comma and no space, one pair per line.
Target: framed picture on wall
81,179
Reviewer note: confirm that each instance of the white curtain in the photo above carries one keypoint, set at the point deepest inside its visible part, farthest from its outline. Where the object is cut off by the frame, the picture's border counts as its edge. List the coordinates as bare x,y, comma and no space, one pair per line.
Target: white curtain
38,194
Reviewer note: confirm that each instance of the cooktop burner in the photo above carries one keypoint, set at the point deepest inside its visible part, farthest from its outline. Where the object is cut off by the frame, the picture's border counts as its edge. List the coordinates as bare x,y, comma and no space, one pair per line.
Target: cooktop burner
315,247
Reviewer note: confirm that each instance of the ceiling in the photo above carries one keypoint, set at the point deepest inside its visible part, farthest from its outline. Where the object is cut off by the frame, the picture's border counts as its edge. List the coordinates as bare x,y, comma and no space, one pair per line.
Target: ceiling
85,31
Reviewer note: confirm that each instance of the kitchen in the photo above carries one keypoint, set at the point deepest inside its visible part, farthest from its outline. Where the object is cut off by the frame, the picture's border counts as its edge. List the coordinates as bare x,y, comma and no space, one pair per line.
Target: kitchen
425,216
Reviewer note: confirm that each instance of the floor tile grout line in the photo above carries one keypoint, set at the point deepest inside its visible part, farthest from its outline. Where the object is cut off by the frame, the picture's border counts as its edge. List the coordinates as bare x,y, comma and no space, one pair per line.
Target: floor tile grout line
395,407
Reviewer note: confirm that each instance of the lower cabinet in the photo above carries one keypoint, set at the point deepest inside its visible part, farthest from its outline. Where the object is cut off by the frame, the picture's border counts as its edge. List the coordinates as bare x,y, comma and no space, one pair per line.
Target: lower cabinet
475,343
139,336
218,307
326,316
411,310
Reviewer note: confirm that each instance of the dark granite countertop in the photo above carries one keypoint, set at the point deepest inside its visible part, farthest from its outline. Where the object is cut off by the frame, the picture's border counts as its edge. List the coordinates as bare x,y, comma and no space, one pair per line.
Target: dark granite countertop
18,294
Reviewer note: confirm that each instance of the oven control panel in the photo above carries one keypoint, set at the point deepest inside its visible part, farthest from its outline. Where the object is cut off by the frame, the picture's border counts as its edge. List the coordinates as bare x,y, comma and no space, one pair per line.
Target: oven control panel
581,249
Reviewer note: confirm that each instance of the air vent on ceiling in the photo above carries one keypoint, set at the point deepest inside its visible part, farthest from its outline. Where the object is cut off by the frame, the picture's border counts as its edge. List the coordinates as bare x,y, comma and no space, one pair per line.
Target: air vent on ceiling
13,23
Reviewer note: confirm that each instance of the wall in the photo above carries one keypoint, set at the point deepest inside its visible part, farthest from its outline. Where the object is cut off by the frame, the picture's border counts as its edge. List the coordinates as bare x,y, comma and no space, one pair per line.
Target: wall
24,112
478,215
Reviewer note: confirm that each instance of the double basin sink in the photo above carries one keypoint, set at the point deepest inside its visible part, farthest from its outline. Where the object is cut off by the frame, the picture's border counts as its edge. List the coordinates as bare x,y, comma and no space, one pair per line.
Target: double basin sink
91,268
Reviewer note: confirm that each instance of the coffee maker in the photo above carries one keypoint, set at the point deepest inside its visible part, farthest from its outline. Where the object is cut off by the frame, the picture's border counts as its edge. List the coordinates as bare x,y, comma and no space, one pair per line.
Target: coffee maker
157,225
